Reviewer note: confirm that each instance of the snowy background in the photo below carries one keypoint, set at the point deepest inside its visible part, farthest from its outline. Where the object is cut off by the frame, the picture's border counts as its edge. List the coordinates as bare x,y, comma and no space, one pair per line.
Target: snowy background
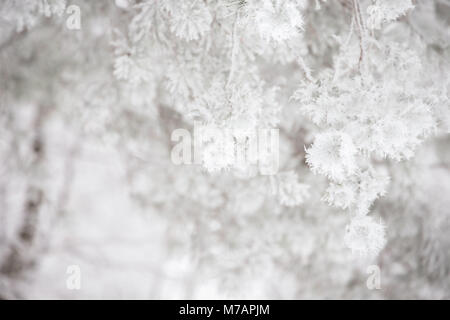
94,206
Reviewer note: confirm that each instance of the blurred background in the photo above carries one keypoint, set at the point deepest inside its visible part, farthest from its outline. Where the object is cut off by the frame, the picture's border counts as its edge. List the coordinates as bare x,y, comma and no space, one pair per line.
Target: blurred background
87,182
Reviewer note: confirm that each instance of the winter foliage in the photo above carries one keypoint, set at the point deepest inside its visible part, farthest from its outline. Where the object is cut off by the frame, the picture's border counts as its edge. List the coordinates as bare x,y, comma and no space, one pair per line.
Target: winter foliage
356,90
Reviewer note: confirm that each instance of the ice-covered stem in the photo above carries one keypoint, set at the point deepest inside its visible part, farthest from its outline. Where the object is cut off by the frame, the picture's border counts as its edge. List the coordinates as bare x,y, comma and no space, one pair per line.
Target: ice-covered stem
306,69
360,26
233,49
344,46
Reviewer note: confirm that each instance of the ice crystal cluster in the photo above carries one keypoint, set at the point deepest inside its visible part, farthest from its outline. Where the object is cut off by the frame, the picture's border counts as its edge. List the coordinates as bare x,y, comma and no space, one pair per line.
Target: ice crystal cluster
357,91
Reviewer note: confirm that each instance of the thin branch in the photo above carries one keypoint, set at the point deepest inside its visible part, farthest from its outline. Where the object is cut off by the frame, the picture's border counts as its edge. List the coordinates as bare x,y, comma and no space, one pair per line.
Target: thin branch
233,50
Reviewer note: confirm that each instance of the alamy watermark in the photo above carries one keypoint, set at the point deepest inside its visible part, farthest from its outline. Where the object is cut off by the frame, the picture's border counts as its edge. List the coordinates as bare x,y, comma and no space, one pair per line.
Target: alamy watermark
374,280
227,148
71,13
73,281
73,21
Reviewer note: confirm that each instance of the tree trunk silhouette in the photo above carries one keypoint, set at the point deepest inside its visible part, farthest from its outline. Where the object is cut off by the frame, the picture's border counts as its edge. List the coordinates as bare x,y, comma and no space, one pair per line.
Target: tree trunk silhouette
19,258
